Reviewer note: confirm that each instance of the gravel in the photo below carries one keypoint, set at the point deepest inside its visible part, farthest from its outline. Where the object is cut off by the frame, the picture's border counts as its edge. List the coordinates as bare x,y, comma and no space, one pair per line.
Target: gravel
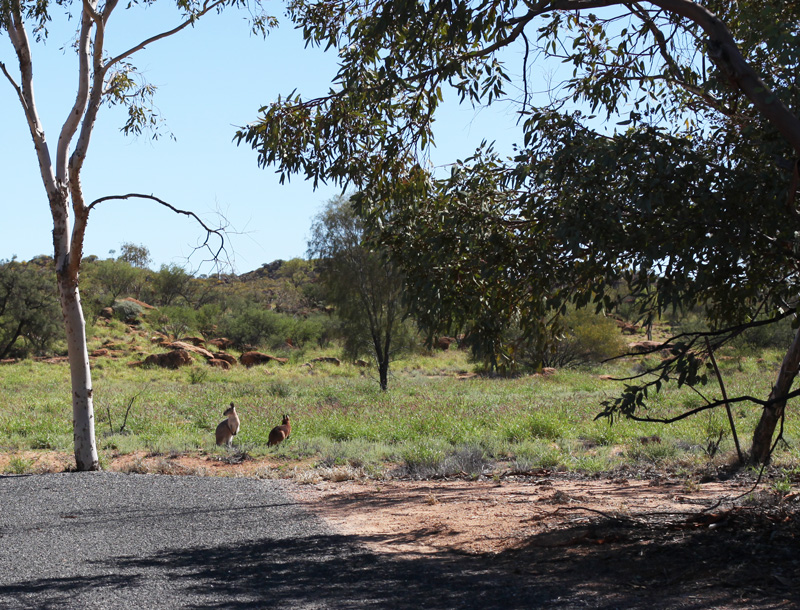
117,541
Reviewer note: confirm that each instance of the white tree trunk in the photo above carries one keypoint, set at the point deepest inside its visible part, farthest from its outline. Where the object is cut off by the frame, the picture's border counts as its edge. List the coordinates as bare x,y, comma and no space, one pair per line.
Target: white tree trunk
80,375
61,178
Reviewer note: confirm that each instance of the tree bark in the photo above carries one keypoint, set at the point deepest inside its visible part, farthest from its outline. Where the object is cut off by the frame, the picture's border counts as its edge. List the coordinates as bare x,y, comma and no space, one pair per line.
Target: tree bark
67,262
773,412
80,374
383,373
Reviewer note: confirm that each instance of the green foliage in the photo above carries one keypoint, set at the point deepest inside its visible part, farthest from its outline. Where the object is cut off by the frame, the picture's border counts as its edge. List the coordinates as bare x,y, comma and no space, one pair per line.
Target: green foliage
19,465
128,311
207,319
431,424
691,123
110,279
135,255
778,335
176,321
256,326
29,309
585,338
365,288
169,284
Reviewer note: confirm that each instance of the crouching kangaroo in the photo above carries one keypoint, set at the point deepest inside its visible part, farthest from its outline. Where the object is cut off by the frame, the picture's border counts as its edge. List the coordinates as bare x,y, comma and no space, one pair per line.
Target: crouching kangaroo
280,433
228,428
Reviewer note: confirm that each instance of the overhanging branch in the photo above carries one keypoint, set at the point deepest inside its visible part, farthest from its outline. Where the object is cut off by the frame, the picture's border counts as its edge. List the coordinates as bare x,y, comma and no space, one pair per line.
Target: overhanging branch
220,233
710,405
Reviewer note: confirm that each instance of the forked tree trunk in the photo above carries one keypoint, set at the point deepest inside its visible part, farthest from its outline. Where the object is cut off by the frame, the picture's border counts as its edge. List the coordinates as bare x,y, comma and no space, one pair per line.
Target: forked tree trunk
772,414
67,251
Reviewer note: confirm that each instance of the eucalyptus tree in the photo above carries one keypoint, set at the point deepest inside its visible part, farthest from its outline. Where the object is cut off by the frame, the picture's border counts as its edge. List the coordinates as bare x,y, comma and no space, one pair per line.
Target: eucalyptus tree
103,75
667,158
135,255
365,288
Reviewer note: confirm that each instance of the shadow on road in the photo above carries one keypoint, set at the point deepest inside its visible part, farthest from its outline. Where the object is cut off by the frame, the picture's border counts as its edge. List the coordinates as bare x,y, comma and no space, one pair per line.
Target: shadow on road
606,565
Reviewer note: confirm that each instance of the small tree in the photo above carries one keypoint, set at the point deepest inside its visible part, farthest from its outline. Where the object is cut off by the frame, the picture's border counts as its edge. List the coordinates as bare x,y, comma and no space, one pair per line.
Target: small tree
170,283
114,278
135,256
364,287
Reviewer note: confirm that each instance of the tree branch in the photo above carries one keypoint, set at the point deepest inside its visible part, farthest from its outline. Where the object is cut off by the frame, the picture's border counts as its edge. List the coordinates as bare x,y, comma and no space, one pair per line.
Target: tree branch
190,21
724,51
13,83
216,254
15,27
75,115
711,405
672,65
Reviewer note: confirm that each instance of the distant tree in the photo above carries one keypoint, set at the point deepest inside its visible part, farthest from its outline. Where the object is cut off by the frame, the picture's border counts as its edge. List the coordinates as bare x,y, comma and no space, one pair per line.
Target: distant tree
253,326
114,278
296,271
170,283
135,256
364,287
103,75
28,308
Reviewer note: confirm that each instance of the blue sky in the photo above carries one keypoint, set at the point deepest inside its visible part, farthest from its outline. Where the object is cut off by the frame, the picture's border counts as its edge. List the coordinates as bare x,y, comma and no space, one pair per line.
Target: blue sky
210,79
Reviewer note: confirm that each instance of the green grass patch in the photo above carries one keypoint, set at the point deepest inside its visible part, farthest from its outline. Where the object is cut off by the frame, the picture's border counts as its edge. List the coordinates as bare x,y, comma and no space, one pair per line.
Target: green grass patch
431,422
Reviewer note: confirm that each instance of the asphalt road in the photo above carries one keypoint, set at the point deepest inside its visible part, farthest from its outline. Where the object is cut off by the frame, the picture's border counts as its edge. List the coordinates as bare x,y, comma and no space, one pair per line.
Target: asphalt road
118,541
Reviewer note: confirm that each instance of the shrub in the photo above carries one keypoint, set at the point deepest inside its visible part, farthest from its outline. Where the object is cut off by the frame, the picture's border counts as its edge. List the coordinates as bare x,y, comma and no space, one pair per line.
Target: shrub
207,319
304,331
177,321
776,335
588,338
128,311
256,326
29,310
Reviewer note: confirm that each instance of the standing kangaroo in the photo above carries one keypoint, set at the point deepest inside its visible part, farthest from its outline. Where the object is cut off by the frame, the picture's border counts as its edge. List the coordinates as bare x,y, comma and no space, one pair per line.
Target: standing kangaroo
228,428
280,433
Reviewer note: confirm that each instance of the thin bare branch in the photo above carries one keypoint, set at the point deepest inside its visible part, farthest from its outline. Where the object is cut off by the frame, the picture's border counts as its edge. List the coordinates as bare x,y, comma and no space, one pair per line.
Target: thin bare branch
216,253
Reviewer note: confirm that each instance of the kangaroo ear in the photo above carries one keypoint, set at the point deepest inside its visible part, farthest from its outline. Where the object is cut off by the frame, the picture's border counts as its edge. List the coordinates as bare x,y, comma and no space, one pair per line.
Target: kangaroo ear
232,405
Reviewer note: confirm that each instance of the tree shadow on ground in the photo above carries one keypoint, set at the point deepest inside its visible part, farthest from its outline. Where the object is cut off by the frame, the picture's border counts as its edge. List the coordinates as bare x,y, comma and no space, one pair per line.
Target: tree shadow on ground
58,593
745,561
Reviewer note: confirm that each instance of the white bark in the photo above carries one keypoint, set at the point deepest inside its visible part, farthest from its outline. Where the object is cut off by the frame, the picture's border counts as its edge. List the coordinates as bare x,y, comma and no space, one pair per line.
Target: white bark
80,376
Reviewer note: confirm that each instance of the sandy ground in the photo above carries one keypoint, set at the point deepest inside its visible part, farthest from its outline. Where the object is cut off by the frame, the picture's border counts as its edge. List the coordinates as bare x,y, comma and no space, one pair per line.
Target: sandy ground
464,516
480,517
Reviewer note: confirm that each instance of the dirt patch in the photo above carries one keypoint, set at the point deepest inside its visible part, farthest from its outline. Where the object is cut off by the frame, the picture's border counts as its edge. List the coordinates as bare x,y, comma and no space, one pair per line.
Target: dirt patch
592,543
480,517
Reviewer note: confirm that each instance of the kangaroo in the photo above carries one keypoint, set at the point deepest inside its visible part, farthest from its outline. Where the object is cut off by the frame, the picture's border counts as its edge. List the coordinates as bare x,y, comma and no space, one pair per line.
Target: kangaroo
228,428
280,433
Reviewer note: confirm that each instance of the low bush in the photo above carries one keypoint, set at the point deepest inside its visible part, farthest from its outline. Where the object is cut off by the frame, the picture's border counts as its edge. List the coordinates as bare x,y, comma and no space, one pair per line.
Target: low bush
255,326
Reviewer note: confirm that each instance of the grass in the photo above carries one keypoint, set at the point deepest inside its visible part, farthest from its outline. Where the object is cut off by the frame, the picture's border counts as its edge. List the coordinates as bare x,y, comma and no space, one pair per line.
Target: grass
429,423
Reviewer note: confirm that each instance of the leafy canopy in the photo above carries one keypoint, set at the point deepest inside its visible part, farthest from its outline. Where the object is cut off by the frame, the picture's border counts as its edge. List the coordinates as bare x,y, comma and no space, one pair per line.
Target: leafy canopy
665,159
